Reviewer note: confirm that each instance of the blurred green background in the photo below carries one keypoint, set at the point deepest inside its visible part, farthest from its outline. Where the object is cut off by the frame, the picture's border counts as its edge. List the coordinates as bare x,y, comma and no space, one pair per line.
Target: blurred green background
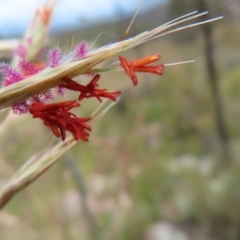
163,164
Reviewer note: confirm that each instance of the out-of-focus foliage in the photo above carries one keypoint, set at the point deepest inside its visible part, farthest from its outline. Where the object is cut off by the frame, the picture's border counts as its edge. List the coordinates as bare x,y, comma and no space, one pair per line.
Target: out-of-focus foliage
153,165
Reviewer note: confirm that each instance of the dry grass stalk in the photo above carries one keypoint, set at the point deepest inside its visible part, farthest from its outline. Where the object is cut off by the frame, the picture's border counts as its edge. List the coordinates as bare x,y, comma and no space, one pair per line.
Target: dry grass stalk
50,78
41,162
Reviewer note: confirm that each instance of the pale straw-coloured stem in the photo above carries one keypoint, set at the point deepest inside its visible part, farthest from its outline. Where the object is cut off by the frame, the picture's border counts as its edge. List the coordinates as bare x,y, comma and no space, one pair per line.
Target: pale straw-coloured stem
41,162
50,78
178,63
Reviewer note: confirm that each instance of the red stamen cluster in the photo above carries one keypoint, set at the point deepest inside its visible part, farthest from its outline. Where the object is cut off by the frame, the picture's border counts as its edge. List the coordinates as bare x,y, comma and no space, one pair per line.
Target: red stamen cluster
90,90
59,119
58,116
141,65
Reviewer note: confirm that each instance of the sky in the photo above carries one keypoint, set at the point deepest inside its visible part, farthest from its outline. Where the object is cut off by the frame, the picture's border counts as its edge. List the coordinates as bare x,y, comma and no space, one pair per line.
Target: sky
15,15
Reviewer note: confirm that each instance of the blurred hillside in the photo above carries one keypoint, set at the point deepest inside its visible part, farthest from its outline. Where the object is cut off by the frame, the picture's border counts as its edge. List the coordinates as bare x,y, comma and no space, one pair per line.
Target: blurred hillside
154,168
112,31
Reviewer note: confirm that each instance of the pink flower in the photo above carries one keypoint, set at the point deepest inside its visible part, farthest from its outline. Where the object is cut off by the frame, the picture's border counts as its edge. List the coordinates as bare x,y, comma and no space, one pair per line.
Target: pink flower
54,57
10,75
81,50
21,51
28,68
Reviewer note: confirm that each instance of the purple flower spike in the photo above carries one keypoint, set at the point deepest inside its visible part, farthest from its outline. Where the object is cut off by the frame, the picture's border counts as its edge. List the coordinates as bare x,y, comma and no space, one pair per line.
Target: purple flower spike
82,50
28,68
21,51
21,108
54,57
29,40
47,96
9,74
60,91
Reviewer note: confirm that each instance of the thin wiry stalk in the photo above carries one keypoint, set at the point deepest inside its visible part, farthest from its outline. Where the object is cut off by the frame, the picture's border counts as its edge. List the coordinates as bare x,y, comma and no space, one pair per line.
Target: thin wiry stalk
50,78
179,18
39,164
132,21
82,191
